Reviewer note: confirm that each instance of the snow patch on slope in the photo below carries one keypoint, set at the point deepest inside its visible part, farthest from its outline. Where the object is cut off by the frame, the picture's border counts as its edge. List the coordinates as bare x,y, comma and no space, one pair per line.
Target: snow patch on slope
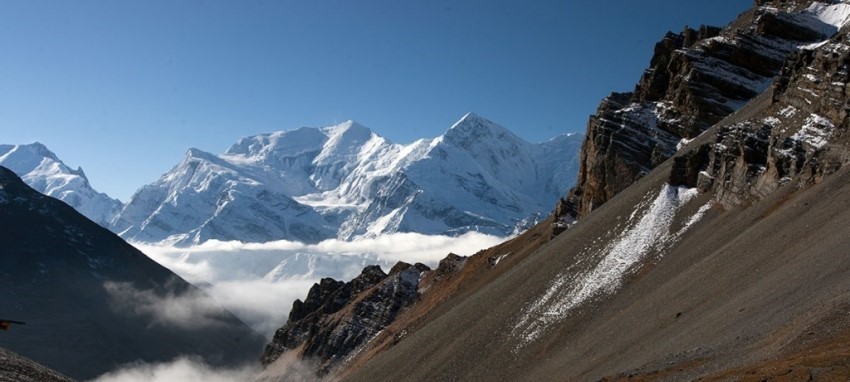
648,234
816,131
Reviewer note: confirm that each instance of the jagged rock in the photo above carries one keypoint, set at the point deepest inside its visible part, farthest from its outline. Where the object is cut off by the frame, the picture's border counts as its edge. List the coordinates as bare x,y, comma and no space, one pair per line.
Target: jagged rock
687,167
802,134
450,265
337,318
695,79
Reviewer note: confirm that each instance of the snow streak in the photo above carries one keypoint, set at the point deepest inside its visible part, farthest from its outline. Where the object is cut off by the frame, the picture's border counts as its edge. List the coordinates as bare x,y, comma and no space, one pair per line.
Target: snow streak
646,234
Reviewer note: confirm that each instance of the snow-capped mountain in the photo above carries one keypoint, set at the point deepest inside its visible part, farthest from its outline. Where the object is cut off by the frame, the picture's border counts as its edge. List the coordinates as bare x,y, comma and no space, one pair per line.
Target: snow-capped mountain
42,170
345,181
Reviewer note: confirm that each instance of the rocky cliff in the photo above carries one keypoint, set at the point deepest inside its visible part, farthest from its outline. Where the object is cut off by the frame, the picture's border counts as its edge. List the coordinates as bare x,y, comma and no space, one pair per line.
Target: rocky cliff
801,136
695,79
337,318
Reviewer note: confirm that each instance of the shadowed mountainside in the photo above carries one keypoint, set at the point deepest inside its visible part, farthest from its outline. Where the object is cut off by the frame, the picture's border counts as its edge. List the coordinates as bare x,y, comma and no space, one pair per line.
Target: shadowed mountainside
93,302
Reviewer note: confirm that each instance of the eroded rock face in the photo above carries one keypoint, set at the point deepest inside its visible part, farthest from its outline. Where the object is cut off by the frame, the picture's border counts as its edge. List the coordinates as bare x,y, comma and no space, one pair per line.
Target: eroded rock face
801,136
337,317
695,79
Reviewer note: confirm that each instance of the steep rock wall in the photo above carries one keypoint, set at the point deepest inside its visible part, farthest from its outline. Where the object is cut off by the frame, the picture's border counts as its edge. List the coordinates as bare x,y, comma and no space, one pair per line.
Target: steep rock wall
695,79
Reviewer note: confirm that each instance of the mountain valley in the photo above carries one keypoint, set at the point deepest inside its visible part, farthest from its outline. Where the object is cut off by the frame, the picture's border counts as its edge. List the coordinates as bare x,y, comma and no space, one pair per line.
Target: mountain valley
696,232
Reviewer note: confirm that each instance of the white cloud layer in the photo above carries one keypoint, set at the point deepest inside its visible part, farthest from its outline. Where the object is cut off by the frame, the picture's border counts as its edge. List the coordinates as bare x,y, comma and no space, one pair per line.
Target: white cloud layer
288,368
186,369
186,311
259,281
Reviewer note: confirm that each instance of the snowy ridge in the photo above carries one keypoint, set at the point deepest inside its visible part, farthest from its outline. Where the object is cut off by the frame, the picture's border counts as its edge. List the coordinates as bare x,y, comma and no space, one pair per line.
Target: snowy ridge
835,15
42,170
346,182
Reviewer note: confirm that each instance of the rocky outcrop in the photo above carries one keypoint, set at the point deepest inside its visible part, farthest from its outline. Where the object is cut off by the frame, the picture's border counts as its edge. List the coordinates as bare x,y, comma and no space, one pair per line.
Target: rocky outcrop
339,317
801,136
695,79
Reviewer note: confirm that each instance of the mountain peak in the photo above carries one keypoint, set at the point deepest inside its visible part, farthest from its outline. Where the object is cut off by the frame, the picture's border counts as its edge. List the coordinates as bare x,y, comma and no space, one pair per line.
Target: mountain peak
470,118
23,159
42,170
194,152
28,152
40,149
473,128
347,128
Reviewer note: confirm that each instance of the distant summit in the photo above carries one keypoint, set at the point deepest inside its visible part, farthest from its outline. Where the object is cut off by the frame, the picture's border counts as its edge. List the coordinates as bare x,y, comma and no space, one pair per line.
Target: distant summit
42,170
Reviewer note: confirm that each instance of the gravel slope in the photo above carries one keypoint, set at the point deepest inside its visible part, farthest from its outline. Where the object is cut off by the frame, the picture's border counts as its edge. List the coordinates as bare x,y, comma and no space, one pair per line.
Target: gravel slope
14,368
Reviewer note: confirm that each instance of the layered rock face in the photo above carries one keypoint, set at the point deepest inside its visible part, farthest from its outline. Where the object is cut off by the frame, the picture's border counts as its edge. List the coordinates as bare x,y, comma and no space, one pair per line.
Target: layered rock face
801,136
339,317
695,79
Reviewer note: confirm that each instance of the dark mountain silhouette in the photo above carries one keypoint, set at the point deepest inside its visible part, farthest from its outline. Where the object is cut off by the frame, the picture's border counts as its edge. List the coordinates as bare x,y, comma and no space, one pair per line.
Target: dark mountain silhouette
92,302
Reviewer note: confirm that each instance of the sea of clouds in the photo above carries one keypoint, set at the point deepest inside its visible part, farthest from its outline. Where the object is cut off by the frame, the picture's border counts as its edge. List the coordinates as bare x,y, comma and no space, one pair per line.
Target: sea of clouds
258,283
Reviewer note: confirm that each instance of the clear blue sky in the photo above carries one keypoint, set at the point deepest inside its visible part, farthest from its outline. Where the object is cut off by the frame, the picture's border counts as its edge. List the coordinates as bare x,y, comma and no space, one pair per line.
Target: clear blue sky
123,88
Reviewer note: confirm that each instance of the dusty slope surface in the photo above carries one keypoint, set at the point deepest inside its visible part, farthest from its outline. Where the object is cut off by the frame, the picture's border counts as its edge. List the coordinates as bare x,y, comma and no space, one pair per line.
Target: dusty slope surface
92,302
14,368
741,286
